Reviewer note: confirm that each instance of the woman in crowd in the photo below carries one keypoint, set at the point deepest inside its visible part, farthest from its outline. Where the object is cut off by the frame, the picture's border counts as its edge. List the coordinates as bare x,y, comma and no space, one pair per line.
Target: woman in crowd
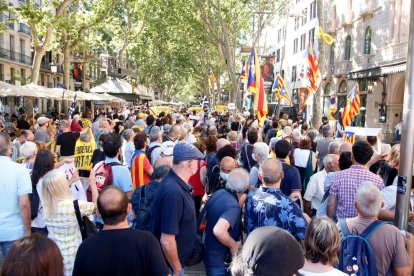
28,151
60,216
322,242
305,160
98,154
199,179
76,125
34,255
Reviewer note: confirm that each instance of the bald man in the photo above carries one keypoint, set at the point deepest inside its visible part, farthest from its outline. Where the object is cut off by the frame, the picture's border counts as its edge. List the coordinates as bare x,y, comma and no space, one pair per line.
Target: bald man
218,180
345,147
100,254
315,190
265,205
173,134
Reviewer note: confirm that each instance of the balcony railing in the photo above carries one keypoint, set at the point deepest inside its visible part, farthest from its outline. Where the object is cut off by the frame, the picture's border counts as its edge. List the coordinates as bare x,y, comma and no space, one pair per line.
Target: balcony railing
364,61
14,56
23,28
45,65
346,19
343,67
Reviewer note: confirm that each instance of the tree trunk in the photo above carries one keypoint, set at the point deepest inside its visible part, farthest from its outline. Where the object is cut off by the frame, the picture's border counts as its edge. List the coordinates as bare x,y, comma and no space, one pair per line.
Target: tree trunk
66,65
317,111
37,60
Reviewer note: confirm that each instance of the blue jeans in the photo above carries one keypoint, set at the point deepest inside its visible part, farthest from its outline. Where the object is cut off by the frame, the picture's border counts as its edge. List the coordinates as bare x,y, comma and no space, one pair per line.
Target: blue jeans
216,271
5,247
181,273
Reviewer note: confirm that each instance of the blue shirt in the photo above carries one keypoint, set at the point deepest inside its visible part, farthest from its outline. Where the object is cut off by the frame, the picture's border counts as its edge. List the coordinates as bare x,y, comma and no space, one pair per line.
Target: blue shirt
15,181
173,212
212,161
270,207
226,206
291,180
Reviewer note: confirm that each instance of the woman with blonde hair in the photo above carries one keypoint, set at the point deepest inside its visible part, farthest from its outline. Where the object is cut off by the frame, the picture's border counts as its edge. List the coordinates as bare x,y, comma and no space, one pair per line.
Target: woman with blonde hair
60,216
322,242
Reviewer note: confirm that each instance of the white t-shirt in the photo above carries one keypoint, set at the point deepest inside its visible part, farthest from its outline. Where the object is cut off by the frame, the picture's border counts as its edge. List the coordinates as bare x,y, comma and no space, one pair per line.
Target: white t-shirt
315,189
39,221
301,157
333,272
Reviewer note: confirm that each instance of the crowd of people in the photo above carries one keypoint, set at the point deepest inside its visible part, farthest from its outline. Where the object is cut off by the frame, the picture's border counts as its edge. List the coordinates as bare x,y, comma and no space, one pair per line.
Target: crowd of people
123,192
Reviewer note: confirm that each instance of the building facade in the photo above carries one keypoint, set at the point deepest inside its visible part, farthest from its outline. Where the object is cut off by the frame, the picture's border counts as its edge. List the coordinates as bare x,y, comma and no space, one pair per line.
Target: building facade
370,48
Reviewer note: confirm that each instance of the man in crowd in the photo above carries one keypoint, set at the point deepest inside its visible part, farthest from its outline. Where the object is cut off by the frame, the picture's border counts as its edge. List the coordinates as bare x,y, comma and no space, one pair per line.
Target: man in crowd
291,182
150,121
23,136
345,183
66,141
154,148
218,180
268,206
41,135
223,128
141,169
272,132
334,148
14,197
322,146
246,152
173,218
173,134
223,224
99,255
260,154
394,253
315,189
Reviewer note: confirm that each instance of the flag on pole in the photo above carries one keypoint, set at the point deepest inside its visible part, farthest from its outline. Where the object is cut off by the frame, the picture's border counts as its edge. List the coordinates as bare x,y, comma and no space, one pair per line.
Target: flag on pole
353,106
314,74
279,87
255,85
243,74
349,137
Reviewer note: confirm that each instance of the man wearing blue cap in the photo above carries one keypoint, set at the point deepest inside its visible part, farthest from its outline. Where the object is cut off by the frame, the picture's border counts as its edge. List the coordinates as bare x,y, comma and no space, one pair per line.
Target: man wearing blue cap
173,218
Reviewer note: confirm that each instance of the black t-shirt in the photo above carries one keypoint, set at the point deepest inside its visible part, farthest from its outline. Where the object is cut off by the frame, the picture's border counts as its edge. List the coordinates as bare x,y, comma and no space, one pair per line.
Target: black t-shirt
120,252
97,157
22,124
67,142
173,213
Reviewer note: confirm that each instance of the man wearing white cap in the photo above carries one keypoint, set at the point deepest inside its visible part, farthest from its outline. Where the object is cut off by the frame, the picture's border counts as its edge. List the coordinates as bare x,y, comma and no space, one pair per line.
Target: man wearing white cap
41,135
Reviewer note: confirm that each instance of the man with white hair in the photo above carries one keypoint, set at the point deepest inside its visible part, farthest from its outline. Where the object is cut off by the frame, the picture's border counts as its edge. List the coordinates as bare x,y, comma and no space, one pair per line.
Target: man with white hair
334,148
268,206
315,189
394,253
223,224
260,154
323,144
155,148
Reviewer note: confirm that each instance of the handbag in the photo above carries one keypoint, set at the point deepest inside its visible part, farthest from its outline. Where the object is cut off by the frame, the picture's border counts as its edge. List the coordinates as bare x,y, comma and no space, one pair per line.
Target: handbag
87,227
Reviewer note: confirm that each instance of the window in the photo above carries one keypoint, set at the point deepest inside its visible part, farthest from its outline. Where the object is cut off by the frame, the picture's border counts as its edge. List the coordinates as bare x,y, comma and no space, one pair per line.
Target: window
367,41
296,23
1,72
23,76
343,87
348,43
312,13
12,76
293,73
278,55
304,16
360,118
303,42
326,105
332,54
295,46
312,35
327,90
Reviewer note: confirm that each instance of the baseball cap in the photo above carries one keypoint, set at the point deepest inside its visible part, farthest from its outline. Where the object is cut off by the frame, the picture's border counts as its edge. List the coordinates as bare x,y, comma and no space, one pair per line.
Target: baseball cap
42,120
167,148
184,151
269,249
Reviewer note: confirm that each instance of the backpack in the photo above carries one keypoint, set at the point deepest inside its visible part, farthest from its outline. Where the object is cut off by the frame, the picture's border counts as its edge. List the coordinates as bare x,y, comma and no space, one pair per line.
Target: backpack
142,201
34,203
104,176
149,151
355,255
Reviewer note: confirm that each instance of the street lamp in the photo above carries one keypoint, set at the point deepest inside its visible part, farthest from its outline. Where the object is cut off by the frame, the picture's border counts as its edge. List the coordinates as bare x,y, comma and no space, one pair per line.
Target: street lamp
370,87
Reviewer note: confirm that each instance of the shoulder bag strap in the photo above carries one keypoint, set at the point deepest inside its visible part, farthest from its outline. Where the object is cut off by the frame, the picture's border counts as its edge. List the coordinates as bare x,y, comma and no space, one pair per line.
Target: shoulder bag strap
344,227
372,228
78,214
247,157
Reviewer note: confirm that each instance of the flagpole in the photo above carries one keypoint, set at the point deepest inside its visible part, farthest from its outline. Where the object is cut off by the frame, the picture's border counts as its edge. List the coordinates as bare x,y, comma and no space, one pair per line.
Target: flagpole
407,138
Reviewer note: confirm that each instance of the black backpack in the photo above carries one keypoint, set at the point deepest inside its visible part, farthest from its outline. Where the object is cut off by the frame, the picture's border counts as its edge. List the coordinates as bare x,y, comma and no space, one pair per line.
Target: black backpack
149,151
34,203
142,201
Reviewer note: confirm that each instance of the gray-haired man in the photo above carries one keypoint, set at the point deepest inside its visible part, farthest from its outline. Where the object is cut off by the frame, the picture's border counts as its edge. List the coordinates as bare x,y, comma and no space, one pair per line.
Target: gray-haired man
223,223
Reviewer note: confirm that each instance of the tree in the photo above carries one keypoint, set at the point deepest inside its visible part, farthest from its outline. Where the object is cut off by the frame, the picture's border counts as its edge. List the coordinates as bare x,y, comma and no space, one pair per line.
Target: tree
43,22
317,109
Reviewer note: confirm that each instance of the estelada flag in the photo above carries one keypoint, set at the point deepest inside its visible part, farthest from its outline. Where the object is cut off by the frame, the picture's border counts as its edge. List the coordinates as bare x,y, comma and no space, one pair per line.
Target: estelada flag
349,137
353,106
313,74
279,87
255,85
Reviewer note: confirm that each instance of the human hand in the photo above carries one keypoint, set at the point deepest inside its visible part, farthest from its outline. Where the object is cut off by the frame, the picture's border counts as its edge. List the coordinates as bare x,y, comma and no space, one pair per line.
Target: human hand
69,160
294,196
74,178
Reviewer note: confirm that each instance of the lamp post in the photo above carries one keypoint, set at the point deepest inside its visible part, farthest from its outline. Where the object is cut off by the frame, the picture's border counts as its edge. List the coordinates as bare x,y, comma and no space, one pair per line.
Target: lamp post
370,87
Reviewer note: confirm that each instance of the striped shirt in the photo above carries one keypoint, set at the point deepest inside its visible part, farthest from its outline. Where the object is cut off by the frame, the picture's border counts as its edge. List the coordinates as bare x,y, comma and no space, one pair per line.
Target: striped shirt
346,183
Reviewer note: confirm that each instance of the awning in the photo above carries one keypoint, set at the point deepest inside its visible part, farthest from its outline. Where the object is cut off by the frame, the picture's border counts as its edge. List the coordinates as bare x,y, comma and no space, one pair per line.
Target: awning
144,97
10,90
378,71
114,86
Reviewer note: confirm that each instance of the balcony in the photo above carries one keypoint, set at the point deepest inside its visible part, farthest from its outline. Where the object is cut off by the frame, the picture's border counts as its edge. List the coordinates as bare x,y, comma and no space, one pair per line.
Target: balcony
346,19
366,8
393,53
364,62
14,56
328,72
342,68
45,65
23,28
